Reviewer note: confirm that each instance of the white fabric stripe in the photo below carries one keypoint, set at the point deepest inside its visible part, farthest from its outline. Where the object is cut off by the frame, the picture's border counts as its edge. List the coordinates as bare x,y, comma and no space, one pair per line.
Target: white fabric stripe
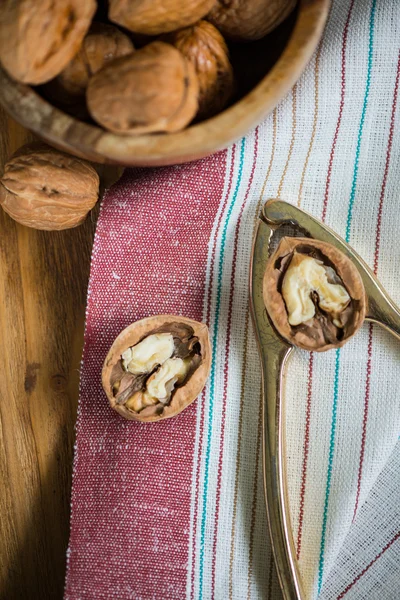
196,458
367,539
383,425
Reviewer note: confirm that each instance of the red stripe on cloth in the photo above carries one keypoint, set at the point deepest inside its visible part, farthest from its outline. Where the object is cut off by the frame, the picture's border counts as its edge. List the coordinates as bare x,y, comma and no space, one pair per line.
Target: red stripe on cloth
341,106
306,446
201,408
226,367
131,496
348,588
376,262
365,419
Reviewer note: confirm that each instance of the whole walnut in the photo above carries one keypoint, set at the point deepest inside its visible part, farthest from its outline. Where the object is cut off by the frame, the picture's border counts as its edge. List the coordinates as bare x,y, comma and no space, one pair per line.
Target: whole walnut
101,45
155,89
159,16
250,20
38,39
205,48
47,189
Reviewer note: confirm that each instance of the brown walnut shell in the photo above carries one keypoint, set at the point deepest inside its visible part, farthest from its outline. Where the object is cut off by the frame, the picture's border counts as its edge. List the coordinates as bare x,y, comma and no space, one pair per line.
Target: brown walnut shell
318,334
38,39
154,17
250,20
102,44
183,395
203,45
47,189
155,89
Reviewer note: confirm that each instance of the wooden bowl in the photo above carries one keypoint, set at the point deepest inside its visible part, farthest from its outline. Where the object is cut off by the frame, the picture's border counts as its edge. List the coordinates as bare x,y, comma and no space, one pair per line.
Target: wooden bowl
263,82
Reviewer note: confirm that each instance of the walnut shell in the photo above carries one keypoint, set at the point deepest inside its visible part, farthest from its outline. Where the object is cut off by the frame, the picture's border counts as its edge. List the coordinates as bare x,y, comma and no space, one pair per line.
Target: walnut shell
183,395
47,189
38,39
101,45
154,17
155,89
311,335
205,48
250,20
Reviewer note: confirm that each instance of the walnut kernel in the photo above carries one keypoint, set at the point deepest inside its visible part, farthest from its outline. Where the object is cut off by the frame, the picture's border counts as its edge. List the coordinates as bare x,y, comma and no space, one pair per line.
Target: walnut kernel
165,377
313,293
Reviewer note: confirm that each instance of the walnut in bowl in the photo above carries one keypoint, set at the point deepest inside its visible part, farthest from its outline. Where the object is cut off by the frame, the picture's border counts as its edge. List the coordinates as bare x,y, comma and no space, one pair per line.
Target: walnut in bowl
102,44
152,90
38,39
265,71
156,367
313,293
203,45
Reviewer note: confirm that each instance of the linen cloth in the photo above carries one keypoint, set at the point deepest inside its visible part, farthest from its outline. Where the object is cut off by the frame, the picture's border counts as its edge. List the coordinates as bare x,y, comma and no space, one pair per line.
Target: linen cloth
176,509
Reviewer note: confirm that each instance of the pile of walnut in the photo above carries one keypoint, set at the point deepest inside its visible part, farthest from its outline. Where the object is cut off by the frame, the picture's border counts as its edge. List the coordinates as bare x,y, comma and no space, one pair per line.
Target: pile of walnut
181,73
157,367
313,293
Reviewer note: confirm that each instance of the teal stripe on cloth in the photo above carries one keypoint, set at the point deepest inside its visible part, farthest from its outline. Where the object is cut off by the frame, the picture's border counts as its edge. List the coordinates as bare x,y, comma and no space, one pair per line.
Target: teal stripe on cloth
361,128
213,365
348,233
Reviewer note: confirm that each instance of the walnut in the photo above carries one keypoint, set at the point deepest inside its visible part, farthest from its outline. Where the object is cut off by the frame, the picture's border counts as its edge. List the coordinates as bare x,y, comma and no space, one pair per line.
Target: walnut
47,189
205,48
250,20
155,17
38,39
313,293
156,367
101,45
155,89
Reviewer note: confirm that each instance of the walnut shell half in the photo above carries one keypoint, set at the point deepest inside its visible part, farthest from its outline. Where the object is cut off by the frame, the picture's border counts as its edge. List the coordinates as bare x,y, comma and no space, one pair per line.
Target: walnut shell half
155,89
205,48
154,17
321,332
250,20
38,39
101,45
44,188
190,339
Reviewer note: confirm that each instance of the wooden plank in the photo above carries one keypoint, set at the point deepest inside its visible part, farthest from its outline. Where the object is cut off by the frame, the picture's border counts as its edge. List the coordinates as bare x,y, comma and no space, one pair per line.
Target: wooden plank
43,283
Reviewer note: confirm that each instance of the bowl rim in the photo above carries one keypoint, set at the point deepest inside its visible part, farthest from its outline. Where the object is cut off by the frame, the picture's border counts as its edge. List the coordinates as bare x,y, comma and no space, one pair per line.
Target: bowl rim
199,140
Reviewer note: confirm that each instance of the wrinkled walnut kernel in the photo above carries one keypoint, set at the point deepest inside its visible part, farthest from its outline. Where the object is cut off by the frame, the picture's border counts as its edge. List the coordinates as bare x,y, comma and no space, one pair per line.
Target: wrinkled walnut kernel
313,294
306,284
157,367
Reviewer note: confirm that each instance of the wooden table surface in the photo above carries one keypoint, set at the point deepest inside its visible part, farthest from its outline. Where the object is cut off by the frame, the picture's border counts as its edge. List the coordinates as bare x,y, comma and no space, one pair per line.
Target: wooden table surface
43,283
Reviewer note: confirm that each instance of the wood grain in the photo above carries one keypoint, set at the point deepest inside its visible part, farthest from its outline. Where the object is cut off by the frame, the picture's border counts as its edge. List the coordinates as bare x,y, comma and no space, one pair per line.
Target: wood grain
43,283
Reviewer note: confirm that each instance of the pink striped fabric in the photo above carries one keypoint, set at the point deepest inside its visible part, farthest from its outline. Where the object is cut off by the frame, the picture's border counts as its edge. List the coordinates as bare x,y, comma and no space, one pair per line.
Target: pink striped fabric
176,509
131,493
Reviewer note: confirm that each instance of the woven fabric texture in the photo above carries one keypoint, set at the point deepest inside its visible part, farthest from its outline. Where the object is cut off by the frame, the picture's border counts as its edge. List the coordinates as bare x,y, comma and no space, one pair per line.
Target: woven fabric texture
176,509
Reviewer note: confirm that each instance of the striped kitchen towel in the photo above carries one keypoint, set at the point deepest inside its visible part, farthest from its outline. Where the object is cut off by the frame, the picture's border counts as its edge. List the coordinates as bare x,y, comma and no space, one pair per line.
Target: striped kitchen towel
175,509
